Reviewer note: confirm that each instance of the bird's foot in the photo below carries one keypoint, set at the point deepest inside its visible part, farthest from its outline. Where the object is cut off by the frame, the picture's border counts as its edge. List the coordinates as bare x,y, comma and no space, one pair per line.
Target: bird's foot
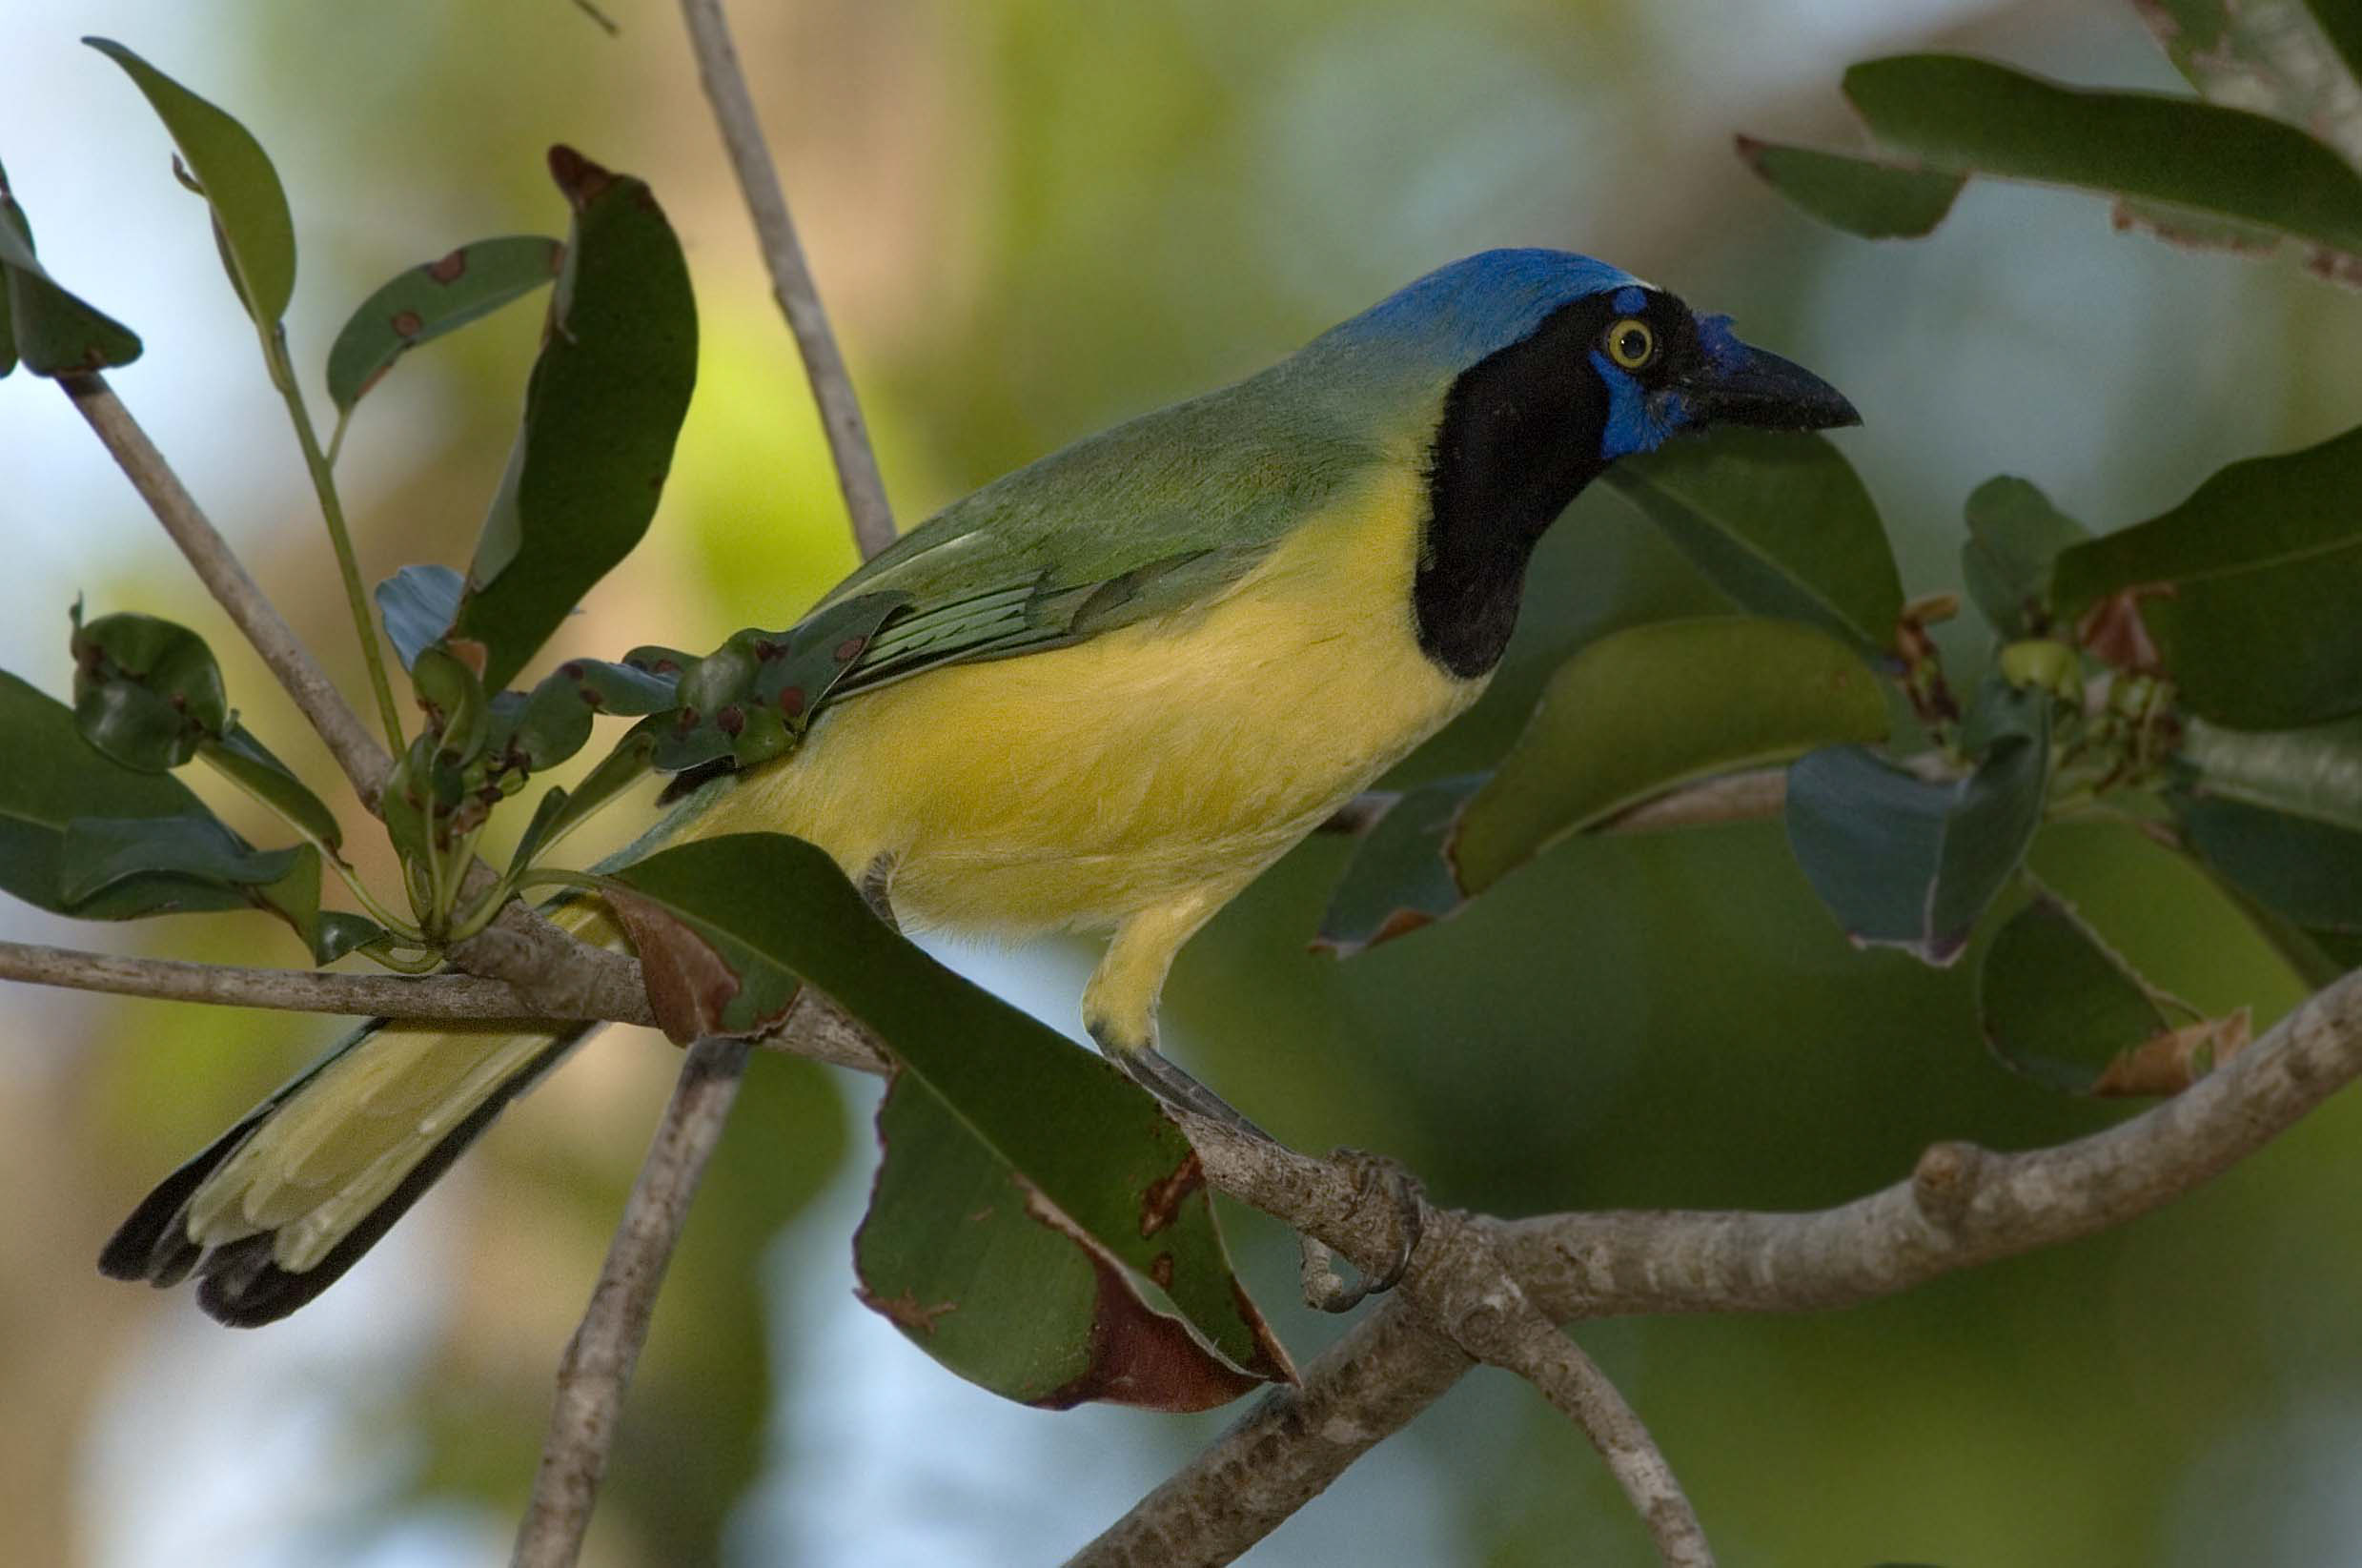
1161,1076
1323,1289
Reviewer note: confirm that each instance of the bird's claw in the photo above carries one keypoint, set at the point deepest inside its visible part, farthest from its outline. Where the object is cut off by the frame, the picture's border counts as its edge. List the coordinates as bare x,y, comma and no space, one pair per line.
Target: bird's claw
1323,1289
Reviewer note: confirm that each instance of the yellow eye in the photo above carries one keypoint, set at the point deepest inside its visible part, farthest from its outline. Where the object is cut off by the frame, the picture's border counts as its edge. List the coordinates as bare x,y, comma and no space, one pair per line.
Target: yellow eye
1630,343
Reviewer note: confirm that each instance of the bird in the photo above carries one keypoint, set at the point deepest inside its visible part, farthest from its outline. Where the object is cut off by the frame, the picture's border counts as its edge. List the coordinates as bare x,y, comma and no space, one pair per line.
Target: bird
1128,678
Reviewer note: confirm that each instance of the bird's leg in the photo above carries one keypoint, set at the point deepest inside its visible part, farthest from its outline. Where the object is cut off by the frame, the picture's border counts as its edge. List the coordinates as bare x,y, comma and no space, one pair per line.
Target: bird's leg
1171,1083
1119,1008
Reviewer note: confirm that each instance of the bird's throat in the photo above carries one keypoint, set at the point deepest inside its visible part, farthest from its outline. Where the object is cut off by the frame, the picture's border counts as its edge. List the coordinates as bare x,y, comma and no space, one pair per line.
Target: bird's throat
1518,441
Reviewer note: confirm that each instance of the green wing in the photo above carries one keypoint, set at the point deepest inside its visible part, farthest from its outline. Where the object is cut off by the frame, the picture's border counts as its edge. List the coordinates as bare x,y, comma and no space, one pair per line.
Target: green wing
1152,515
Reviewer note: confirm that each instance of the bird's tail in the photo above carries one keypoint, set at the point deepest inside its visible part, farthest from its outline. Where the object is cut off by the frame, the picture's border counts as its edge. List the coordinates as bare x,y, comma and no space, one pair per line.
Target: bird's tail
282,1203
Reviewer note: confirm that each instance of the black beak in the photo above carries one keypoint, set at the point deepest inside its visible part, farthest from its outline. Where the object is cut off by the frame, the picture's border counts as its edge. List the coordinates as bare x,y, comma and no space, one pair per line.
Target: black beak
1747,386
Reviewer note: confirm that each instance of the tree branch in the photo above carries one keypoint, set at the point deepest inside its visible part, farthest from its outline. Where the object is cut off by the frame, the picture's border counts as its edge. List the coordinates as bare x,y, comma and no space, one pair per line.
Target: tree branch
1539,1352
791,277
1287,1447
599,1360
365,763
1961,1207
434,996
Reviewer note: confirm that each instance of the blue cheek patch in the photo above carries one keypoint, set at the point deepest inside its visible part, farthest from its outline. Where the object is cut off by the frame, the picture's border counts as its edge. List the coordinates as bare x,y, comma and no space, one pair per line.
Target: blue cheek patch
1721,344
1629,301
1635,421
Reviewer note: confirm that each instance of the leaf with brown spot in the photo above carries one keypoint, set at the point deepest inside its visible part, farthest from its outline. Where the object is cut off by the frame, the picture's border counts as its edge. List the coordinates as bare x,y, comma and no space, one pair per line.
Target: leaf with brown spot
605,402
425,302
54,333
1161,1204
991,1112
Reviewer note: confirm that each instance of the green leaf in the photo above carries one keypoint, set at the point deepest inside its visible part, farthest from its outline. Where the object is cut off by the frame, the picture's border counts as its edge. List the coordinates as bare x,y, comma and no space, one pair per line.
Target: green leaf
1400,878
753,697
146,691
1779,521
2314,772
1860,196
250,764
340,932
428,300
251,219
52,331
1643,710
417,606
2058,1004
605,400
2306,869
2244,593
1911,863
458,712
99,853
52,777
543,729
2014,538
1016,1109
1978,117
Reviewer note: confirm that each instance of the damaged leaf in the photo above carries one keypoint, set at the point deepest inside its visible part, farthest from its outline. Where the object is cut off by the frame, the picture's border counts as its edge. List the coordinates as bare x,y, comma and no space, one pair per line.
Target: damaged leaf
606,399
53,332
1039,1141
428,300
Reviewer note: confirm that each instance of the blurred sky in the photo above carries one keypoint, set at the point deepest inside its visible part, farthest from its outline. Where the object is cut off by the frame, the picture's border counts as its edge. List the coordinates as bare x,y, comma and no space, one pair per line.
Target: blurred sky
1033,219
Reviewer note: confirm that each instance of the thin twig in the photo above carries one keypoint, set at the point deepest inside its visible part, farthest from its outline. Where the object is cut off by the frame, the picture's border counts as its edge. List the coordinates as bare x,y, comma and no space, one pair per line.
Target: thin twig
791,277
1539,1352
365,763
438,996
599,1360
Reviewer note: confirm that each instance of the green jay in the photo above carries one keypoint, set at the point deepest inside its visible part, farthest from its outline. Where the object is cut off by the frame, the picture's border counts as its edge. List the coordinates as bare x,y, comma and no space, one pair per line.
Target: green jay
1129,677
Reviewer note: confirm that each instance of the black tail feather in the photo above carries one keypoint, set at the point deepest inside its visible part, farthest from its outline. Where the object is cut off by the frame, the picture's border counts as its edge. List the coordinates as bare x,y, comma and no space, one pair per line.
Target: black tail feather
238,1283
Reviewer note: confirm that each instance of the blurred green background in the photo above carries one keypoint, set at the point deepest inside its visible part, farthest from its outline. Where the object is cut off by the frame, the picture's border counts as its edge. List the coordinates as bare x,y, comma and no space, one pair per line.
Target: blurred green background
1030,220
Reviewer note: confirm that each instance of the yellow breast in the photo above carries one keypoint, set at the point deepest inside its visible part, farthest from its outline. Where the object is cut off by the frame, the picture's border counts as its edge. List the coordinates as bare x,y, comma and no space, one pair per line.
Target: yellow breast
1079,786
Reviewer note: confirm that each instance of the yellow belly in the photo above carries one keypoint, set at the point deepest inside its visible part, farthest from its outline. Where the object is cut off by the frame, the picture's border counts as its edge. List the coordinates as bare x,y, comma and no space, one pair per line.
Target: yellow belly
1078,786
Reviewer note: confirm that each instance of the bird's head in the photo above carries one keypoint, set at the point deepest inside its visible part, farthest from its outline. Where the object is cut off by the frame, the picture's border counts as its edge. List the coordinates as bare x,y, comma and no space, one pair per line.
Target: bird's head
1550,366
